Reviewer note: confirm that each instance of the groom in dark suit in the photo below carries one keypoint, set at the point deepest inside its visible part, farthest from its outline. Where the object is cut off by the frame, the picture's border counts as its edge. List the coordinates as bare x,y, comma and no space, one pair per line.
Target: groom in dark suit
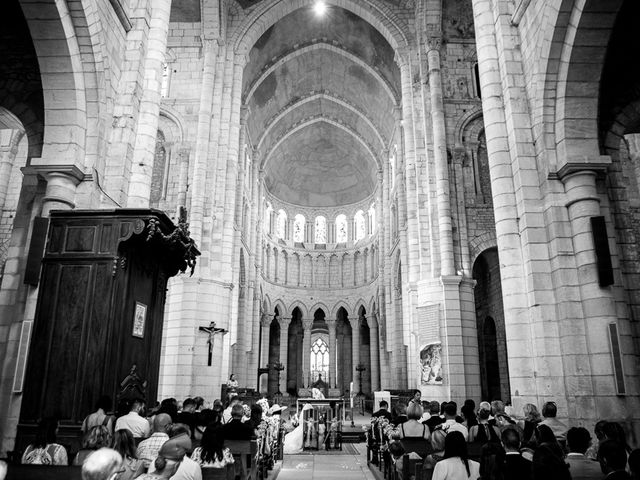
514,466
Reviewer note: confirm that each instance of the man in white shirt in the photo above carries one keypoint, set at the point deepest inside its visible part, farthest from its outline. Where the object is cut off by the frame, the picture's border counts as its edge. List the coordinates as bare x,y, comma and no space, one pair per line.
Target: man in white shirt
148,449
139,426
450,424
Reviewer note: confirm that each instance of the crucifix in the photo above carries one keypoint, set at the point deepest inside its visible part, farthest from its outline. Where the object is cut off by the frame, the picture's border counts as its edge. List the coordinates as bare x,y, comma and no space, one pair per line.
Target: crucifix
212,331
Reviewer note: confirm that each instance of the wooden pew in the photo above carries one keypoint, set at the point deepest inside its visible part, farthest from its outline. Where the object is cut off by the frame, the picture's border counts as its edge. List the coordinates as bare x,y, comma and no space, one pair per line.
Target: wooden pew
226,473
245,453
43,472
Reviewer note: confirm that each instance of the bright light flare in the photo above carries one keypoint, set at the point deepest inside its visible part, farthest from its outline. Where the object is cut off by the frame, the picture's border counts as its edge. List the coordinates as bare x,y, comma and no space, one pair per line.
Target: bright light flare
320,8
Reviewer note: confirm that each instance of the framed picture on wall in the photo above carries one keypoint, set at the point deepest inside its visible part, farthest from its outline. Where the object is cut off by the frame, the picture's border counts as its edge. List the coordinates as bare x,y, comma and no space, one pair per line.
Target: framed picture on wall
139,319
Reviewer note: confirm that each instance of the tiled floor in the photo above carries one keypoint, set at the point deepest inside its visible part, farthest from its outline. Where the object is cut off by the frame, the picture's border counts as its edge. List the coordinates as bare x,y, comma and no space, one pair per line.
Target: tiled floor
326,467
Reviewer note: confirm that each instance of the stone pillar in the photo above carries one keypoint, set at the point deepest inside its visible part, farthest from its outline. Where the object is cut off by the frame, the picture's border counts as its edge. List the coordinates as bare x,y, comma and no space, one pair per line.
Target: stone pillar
355,350
587,346
210,52
9,141
265,324
146,133
413,248
374,350
284,350
61,187
306,352
331,379
440,157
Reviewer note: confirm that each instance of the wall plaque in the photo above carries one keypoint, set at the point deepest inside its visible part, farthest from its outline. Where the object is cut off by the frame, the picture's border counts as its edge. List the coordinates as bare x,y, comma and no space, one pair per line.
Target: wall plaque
139,318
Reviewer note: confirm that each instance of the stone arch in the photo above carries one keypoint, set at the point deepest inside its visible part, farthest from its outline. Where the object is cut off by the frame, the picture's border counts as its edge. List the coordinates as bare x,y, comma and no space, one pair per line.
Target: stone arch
483,242
466,123
172,122
61,66
316,119
319,305
310,48
360,303
584,35
279,304
300,306
323,96
268,13
338,305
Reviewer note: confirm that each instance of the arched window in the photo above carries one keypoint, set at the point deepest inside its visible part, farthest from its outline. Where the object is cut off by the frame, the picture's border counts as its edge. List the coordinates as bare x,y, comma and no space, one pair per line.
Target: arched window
392,164
341,228
321,230
298,228
267,218
372,218
359,223
319,359
281,226
164,89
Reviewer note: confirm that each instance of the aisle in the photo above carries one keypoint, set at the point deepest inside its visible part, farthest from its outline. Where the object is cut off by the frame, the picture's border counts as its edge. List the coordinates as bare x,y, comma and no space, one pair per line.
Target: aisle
321,467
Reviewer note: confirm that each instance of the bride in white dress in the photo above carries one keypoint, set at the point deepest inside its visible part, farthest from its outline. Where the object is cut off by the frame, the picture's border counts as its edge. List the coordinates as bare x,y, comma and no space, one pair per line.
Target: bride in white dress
294,440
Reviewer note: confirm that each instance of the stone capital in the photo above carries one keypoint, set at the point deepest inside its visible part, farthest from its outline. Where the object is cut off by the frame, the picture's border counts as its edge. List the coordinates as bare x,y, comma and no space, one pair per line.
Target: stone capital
597,163
307,323
433,42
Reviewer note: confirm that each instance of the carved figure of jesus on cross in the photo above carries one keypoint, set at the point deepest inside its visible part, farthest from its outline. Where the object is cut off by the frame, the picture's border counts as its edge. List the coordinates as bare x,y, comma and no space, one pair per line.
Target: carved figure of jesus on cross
212,331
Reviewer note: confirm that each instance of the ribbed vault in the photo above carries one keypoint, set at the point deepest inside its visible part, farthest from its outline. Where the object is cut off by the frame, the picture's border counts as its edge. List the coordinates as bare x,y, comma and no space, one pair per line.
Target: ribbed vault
321,92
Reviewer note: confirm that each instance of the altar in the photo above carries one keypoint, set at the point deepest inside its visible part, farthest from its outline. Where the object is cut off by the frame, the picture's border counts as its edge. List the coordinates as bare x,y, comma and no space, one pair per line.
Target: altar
322,425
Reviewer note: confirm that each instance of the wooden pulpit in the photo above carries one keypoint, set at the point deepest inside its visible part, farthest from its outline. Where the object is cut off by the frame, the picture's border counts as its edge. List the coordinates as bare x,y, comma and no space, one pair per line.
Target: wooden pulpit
100,310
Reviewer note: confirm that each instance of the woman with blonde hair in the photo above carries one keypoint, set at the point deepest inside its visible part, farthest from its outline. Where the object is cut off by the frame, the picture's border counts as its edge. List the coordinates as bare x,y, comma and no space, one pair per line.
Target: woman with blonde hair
412,428
532,418
96,438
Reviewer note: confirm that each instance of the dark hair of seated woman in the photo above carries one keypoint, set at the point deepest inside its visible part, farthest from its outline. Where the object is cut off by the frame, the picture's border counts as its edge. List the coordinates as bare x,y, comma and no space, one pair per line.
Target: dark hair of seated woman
456,446
212,445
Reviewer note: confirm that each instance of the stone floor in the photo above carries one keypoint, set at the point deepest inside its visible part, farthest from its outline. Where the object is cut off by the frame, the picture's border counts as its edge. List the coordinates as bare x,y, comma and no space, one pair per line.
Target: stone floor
326,467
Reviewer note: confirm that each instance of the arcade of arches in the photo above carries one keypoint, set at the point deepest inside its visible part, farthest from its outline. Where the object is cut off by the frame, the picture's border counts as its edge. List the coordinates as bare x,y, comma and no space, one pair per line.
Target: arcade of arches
392,194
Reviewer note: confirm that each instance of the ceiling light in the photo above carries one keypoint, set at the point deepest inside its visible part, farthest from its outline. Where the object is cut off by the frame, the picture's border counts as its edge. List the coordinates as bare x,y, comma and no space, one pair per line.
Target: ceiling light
320,8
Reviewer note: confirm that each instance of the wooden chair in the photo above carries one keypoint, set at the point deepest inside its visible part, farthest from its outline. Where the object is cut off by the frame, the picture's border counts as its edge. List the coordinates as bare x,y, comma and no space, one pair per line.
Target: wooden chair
226,473
245,454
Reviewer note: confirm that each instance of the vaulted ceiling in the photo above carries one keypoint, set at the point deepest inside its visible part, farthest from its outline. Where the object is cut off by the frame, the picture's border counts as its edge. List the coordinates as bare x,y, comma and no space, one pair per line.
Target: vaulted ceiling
321,91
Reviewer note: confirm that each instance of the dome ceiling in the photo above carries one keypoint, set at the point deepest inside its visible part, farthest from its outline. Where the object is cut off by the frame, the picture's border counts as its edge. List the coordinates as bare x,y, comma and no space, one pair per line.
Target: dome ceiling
321,93
321,165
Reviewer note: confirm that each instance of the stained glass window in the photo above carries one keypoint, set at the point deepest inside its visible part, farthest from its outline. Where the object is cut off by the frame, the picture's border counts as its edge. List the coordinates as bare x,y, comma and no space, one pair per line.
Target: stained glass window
281,226
319,359
321,230
298,228
372,219
392,164
360,228
341,228
267,218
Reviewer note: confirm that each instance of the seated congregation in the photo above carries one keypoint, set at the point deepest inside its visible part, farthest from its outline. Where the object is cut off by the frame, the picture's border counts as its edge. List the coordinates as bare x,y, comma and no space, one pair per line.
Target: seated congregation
198,441
436,441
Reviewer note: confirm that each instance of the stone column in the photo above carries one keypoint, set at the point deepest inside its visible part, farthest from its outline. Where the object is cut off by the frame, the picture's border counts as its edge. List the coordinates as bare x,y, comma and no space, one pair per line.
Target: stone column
587,345
61,187
265,324
355,350
306,352
210,52
331,380
412,234
146,133
9,141
374,350
284,350
440,157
